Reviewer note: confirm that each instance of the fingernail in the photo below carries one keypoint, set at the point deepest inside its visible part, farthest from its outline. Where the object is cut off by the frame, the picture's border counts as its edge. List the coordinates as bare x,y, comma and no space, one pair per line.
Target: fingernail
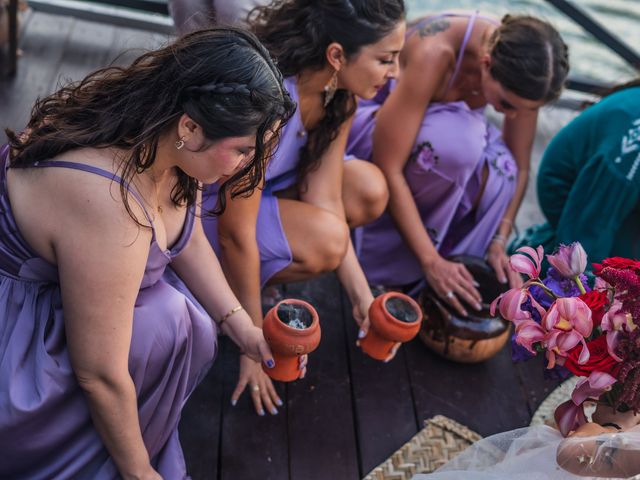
274,411
478,307
361,334
503,280
465,313
233,402
279,403
261,413
476,284
270,363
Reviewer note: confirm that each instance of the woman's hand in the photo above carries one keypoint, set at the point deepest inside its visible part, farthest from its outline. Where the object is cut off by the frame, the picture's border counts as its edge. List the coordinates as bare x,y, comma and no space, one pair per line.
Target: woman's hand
499,261
261,388
361,316
252,343
452,282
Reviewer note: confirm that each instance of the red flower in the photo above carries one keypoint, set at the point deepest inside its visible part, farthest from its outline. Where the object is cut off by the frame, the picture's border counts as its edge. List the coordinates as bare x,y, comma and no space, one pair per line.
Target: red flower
597,301
617,263
599,359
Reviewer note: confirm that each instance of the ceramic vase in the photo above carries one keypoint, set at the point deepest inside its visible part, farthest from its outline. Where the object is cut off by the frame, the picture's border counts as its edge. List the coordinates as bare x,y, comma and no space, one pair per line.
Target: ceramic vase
395,317
291,328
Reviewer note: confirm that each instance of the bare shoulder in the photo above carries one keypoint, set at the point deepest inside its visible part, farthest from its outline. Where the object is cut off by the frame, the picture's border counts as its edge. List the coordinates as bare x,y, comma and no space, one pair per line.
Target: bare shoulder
52,204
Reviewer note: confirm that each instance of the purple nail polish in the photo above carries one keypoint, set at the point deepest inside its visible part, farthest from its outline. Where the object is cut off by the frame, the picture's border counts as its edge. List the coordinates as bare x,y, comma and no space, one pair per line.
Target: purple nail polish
270,363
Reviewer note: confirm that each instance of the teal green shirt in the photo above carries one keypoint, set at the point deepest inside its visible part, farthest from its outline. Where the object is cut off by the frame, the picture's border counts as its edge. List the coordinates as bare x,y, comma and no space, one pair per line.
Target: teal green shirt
589,181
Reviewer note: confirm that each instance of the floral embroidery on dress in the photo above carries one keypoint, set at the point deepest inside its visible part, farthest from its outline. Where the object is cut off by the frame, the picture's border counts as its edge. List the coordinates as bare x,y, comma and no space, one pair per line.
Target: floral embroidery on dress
425,153
504,165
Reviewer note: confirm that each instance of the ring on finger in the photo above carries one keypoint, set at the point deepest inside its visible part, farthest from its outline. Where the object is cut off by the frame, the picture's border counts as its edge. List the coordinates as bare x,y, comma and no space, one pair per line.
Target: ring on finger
450,294
255,388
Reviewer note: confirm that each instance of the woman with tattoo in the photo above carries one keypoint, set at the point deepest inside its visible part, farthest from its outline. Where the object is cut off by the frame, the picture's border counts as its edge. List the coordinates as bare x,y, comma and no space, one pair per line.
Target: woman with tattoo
455,181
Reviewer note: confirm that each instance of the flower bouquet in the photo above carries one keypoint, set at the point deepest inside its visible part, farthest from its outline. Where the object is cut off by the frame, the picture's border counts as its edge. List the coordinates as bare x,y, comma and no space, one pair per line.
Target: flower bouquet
587,331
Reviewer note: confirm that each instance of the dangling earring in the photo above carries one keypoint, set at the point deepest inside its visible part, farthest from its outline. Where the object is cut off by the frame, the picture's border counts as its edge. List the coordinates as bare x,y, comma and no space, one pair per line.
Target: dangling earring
180,143
330,88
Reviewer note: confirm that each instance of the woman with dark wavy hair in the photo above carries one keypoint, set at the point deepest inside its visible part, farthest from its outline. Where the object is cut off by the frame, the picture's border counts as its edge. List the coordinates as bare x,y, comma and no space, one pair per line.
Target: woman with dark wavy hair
98,351
455,181
298,226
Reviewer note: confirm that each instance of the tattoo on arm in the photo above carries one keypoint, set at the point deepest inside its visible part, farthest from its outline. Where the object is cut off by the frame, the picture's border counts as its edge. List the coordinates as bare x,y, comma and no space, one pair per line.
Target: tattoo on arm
433,27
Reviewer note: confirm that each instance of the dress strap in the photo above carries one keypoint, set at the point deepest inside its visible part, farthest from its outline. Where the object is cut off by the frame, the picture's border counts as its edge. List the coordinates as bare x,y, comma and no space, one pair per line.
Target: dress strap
97,171
463,46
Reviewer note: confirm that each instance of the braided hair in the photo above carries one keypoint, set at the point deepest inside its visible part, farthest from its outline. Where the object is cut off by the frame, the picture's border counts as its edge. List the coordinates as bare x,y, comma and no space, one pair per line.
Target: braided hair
297,34
529,58
221,77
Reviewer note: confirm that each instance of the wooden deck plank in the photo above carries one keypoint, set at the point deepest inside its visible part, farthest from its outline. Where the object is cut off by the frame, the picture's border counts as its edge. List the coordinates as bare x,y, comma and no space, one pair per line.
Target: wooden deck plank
88,48
536,388
43,45
322,438
200,424
253,447
486,397
383,402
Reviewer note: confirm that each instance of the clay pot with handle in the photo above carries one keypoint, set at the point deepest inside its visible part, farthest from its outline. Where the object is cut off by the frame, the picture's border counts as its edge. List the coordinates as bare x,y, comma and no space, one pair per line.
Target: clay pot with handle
291,328
395,317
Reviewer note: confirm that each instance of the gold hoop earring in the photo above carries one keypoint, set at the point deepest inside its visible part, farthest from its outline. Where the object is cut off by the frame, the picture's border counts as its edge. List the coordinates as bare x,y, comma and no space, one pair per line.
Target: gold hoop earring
180,144
330,88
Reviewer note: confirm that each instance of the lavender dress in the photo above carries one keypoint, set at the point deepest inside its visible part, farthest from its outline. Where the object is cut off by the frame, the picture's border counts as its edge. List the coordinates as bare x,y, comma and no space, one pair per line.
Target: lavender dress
444,172
45,427
275,253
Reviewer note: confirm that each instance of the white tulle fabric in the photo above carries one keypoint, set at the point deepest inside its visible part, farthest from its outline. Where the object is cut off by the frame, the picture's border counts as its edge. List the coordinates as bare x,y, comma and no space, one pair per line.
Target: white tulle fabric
531,454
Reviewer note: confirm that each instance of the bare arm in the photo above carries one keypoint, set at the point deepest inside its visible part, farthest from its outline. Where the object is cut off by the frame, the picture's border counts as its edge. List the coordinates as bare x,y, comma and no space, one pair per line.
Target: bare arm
519,133
324,190
398,122
240,256
101,255
199,268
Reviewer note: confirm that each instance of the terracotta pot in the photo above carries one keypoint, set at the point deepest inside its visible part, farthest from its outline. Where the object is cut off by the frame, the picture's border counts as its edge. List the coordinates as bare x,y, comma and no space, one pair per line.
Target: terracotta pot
471,339
291,328
395,317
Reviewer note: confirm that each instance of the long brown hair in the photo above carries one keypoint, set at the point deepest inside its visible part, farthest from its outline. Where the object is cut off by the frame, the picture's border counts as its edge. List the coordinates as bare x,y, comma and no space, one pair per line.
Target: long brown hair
297,34
221,77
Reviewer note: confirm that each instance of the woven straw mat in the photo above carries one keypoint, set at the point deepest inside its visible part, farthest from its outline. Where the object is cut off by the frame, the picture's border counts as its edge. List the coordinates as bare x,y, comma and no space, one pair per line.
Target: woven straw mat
438,442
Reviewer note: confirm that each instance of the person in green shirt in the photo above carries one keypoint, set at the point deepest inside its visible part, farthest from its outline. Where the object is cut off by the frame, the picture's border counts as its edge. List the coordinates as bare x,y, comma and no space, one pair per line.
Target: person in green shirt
589,180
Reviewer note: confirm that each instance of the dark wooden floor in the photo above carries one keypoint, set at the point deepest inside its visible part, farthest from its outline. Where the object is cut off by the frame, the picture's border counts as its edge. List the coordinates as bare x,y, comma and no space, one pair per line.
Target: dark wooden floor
351,412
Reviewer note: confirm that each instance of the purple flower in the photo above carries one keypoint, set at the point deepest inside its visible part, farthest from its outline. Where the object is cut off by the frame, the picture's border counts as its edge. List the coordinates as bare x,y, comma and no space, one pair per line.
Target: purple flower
569,260
561,286
518,352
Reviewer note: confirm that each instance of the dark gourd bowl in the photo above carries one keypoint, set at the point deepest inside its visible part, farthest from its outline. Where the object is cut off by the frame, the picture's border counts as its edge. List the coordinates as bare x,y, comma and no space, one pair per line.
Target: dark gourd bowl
471,339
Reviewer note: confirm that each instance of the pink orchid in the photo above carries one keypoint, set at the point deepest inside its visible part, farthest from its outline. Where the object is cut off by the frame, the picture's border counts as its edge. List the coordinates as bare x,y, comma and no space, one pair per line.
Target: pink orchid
528,261
615,321
509,304
567,322
592,386
529,332
569,261
570,414
569,417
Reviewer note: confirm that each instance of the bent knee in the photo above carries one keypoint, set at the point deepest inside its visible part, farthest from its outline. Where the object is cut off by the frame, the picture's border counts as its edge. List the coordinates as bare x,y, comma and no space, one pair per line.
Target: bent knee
365,193
331,240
